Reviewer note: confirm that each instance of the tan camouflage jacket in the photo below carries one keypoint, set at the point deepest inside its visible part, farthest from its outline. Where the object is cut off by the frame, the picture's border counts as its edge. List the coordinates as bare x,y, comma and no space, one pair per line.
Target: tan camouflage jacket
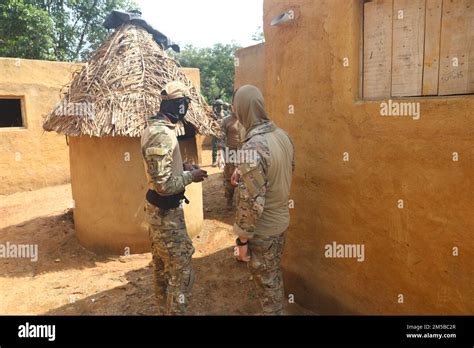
162,158
253,181
232,133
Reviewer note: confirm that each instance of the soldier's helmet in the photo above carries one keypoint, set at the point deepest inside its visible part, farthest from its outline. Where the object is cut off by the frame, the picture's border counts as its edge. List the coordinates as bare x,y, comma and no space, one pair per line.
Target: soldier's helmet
175,90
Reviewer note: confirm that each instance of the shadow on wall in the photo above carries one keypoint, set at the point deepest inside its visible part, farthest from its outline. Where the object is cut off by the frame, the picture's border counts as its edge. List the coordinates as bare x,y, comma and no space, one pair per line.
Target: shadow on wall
327,302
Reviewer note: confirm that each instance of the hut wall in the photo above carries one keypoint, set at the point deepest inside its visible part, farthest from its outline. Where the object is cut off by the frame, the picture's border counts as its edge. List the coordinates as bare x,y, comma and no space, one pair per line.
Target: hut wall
409,266
250,67
201,140
194,211
30,158
109,186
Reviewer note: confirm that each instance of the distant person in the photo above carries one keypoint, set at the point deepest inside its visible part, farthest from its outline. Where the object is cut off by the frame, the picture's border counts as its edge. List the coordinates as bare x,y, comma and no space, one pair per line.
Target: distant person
168,177
227,109
230,144
264,187
218,115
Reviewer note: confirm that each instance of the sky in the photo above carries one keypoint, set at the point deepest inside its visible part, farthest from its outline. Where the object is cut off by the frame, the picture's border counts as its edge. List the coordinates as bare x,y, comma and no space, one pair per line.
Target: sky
204,23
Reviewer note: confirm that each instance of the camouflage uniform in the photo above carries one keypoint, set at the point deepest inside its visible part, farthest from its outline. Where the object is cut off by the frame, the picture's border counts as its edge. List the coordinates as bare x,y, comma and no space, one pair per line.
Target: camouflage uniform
215,141
265,248
172,248
228,187
266,253
231,142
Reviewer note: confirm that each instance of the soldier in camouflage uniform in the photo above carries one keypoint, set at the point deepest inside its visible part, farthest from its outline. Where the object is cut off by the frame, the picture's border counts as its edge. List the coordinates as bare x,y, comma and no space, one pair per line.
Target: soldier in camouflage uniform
231,142
218,115
172,248
264,187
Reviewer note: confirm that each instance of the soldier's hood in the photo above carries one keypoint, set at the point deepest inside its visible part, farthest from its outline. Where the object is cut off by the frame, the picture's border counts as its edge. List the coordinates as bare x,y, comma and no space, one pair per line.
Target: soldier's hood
249,106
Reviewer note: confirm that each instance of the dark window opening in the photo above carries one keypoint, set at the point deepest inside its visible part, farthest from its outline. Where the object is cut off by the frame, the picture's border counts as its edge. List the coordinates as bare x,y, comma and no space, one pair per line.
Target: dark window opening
190,131
10,113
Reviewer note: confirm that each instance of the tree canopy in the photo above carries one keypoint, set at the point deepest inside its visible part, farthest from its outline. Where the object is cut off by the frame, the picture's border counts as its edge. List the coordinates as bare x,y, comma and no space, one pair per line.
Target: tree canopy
25,31
217,68
64,30
70,30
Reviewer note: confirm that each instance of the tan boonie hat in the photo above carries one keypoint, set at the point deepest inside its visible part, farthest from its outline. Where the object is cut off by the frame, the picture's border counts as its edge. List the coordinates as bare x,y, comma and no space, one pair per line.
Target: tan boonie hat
175,90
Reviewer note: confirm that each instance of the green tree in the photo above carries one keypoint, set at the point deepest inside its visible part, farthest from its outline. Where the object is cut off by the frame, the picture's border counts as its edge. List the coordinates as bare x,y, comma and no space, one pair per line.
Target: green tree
25,31
217,68
76,26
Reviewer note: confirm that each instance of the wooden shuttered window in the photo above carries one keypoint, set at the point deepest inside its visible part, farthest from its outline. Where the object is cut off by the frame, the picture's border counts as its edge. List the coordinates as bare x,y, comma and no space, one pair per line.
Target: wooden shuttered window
418,48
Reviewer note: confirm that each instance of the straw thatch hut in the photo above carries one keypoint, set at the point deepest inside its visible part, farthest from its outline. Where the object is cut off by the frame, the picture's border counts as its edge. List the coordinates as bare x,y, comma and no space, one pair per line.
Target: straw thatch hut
103,113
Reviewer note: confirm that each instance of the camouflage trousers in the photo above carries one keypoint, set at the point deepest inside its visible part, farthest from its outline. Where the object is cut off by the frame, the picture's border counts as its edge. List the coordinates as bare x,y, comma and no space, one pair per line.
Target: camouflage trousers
229,188
172,252
215,143
266,254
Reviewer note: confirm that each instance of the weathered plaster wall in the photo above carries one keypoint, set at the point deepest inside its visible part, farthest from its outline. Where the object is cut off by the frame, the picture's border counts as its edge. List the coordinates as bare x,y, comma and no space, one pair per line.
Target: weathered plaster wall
250,67
194,211
108,188
407,251
29,158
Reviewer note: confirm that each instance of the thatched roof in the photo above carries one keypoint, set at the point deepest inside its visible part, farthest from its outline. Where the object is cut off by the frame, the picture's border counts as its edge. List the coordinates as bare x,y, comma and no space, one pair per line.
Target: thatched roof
120,86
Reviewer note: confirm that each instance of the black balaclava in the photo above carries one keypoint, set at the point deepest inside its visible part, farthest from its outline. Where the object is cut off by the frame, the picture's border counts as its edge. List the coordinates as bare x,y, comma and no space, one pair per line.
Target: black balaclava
175,109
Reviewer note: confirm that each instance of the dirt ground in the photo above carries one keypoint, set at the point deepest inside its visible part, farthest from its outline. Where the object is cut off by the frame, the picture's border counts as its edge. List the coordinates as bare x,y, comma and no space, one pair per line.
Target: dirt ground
69,280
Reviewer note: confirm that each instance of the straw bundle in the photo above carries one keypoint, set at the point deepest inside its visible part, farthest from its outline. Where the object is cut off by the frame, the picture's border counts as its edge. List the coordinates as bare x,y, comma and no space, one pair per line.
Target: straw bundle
120,86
